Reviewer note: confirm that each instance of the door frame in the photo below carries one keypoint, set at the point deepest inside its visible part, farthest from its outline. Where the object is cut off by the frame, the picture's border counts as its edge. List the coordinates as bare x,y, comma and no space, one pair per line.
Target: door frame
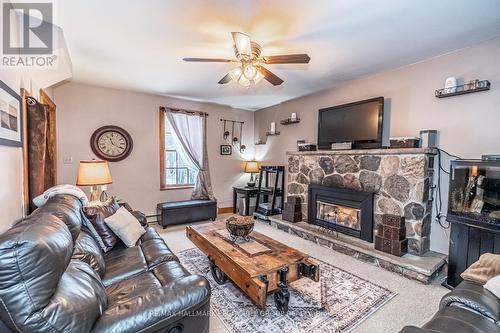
26,197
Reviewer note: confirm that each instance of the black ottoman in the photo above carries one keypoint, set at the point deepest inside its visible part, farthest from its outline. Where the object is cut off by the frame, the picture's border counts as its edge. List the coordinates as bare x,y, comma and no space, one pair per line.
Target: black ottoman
178,212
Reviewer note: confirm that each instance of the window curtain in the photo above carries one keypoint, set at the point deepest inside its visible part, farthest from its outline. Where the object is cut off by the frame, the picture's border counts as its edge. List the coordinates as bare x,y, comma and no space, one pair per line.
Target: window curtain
190,129
40,160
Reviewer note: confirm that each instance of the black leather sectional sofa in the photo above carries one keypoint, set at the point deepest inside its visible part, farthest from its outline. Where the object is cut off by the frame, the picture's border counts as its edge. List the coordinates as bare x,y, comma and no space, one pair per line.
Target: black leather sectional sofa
55,278
469,308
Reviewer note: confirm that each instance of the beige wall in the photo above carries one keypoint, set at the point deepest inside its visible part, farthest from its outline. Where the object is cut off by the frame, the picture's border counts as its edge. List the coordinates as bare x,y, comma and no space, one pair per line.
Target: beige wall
83,108
468,125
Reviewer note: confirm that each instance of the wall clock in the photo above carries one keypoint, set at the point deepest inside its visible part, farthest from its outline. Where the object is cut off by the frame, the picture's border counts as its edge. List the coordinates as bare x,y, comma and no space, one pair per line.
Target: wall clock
111,143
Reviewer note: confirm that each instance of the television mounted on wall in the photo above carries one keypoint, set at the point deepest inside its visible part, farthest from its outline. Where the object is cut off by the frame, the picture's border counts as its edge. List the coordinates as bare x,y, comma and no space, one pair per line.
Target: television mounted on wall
360,123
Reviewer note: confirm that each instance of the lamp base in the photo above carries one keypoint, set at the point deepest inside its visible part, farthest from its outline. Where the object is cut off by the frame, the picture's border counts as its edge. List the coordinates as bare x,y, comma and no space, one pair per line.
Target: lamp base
94,193
98,193
251,183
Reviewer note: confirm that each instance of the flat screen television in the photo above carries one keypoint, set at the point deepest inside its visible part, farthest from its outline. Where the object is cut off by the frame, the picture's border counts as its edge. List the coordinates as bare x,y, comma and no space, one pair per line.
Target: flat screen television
360,123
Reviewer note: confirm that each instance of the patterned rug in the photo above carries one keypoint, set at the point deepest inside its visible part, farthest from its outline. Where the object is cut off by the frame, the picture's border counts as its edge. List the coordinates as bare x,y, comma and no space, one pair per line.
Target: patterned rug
338,303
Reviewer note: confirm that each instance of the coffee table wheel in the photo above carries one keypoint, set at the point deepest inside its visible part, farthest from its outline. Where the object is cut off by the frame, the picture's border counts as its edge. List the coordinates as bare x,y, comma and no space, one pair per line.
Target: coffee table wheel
219,276
282,296
281,299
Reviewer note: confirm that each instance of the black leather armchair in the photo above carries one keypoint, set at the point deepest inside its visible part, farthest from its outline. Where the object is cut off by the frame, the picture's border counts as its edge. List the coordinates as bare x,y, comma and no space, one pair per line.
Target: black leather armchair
469,308
55,278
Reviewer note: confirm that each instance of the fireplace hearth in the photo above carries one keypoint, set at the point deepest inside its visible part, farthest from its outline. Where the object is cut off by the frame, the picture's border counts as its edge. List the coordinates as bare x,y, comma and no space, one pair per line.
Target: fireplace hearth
343,210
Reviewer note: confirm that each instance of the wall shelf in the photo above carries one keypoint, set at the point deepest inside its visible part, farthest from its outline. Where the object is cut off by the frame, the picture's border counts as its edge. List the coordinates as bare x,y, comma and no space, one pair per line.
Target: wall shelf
272,134
289,121
463,89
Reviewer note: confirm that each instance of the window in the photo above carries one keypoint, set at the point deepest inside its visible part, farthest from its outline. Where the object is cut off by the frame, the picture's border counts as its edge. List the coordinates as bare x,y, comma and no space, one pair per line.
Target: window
176,172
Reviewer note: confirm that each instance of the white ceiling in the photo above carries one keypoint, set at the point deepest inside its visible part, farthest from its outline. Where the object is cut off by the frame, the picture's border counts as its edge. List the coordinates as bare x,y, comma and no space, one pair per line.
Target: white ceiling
139,44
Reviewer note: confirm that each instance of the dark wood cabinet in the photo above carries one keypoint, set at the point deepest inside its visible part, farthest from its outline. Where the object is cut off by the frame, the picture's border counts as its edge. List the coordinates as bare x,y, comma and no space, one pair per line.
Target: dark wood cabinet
467,243
474,213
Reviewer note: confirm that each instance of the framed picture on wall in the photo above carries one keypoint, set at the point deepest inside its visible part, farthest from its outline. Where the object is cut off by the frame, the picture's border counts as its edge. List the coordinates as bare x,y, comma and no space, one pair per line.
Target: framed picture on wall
10,117
226,149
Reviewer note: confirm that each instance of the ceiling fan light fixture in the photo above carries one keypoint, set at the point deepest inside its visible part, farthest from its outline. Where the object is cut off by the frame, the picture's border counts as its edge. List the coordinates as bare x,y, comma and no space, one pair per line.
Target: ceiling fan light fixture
250,71
243,81
258,77
235,74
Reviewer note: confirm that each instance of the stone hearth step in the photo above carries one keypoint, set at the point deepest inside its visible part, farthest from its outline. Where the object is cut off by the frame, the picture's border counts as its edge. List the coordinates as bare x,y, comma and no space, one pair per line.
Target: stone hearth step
420,268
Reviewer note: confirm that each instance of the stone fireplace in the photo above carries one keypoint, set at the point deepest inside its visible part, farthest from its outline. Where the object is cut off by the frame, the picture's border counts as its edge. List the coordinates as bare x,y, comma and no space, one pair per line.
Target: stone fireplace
400,180
340,209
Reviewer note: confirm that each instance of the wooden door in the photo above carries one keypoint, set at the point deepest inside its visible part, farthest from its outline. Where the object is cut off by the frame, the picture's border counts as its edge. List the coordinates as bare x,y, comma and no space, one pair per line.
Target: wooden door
32,174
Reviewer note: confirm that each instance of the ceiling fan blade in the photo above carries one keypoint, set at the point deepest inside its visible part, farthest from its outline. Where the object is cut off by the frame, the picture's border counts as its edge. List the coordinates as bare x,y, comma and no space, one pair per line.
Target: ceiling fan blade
242,44
225,79
287,59
206,60
271,77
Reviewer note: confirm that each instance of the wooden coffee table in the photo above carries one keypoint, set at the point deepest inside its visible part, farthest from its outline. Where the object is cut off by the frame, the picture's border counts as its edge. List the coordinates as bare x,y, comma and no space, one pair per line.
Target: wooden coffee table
258,267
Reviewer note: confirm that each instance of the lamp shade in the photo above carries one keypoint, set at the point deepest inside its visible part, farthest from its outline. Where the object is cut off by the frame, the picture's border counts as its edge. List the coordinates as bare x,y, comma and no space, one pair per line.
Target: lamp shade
252,167
93,173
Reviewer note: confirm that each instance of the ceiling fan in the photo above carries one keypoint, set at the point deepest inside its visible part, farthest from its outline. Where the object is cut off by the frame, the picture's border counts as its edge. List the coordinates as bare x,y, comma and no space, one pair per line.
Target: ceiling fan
250,69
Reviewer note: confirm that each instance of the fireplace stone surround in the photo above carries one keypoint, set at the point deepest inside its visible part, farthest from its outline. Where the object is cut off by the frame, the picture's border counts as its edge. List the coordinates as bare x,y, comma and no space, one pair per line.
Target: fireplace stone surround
400,179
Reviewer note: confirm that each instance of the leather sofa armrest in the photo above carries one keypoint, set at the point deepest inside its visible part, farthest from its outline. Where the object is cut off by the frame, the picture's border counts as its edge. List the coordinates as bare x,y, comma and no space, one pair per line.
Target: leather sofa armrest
454,319
473,296
413,329
141,217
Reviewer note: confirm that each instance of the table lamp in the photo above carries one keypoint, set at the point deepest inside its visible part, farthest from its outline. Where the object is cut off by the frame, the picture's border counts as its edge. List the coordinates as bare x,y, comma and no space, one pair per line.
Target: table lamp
94,173
251,167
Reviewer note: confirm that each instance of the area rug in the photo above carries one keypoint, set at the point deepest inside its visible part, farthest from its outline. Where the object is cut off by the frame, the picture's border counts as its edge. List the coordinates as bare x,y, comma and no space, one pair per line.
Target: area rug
338,303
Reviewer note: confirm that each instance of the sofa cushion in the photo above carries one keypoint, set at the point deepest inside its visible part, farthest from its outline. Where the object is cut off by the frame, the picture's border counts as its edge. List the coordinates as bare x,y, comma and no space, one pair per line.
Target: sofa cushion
33,256
79,300
169,271
96,215
156,251
153,308
123,263
40,286
125,226
87,250
162,275
151,233
131,287
67,208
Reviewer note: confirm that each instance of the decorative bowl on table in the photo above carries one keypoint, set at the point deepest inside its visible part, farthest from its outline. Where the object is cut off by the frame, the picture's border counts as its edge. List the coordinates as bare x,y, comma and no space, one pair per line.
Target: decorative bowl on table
239,227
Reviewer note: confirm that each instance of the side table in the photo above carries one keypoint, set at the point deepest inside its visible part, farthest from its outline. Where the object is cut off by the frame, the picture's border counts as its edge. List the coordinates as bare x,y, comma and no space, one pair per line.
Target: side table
247,192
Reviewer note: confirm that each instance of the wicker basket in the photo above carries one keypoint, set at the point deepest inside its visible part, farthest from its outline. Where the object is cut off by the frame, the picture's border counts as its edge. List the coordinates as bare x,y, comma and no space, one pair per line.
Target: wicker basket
239,226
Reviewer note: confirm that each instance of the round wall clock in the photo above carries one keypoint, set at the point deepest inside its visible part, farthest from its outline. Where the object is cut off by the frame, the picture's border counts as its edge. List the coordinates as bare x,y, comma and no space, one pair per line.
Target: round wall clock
111,143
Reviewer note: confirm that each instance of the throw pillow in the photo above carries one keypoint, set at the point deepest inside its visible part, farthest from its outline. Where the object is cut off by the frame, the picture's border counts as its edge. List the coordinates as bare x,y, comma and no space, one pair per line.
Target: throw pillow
125,226
487,267
96,215
493,285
